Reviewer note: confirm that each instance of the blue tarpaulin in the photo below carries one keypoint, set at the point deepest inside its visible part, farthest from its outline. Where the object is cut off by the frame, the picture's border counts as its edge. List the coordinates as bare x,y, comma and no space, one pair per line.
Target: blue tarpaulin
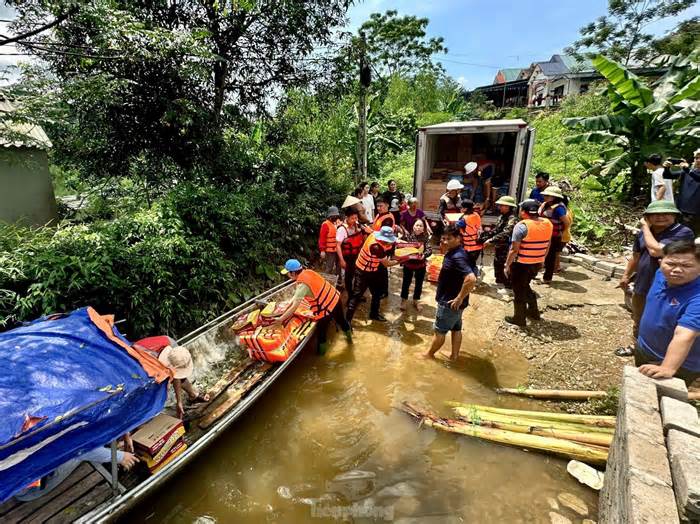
66,389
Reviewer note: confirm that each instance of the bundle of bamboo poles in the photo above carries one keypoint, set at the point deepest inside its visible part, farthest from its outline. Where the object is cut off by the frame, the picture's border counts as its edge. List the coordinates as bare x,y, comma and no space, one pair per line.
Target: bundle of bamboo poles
580,437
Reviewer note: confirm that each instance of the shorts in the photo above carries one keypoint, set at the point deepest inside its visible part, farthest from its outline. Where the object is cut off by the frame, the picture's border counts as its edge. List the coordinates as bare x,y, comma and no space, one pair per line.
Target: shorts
447,319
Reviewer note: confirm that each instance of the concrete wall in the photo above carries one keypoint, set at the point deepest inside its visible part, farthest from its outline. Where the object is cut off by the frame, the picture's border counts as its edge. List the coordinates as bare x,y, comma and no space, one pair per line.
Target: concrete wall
653,471
26,190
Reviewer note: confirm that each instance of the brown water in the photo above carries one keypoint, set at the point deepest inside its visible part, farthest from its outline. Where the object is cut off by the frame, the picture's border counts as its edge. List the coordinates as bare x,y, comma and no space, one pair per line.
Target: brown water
336,414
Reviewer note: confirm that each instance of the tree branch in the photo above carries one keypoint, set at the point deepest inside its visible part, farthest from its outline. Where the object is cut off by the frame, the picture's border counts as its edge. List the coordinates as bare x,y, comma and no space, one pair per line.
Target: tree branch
40,29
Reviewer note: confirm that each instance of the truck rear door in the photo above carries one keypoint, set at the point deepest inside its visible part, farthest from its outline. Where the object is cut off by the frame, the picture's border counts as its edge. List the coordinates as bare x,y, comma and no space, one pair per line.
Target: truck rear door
525,164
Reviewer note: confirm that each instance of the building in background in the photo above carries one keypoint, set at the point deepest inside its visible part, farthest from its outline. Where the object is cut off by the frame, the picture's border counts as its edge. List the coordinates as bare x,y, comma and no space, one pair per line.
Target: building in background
26,195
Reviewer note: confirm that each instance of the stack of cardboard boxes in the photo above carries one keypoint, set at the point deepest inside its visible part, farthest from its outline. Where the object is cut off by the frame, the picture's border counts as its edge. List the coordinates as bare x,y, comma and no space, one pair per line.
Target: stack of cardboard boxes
160,441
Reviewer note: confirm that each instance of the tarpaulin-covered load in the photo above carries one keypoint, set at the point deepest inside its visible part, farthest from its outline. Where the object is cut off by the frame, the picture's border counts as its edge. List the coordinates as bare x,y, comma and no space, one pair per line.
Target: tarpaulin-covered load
69,385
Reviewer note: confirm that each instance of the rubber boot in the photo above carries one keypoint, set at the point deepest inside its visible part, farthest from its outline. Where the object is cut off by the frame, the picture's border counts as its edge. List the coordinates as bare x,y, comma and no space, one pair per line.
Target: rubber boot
348,336
519,317
532,310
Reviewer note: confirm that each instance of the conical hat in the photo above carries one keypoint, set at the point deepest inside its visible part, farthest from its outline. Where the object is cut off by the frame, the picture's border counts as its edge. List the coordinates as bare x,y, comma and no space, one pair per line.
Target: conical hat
351,201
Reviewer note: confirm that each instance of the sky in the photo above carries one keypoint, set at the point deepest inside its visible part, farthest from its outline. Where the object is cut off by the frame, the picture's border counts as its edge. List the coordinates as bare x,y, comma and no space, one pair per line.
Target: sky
483,36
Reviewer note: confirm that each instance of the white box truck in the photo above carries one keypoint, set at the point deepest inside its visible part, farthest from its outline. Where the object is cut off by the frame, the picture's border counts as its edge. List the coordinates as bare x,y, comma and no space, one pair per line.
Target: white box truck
442,150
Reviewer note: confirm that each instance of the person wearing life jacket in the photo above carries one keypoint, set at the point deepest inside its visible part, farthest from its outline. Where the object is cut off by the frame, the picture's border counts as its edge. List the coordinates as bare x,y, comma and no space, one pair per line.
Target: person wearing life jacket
554,210
355,203
384,216
500,237
450,201
469,226
349,239
321,295
327,242
375,254
528,251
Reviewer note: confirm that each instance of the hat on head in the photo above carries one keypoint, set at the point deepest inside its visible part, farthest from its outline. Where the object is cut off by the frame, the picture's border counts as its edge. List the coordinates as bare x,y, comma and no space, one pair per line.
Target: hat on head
178,359
291,265
394,205
506,201
385,234
470,167
332,212
351,201
530,206
661,206
454,184
553,191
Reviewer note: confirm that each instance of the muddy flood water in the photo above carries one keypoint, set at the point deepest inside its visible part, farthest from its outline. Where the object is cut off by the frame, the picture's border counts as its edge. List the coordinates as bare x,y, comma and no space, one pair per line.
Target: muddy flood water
336,414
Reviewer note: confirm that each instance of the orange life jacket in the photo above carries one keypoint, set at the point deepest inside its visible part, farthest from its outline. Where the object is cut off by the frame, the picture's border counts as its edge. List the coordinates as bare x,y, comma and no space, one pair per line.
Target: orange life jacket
470,233
325,296
366,261
377,224
350,247
533,248
330,241
271,343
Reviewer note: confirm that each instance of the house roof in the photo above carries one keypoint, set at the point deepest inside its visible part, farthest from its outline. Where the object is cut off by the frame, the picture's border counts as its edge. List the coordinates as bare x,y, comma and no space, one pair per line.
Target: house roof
511,73
577,65
19,134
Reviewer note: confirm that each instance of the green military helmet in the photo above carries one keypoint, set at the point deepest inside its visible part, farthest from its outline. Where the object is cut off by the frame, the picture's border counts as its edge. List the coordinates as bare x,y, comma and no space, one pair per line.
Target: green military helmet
553,191
506,201
661,206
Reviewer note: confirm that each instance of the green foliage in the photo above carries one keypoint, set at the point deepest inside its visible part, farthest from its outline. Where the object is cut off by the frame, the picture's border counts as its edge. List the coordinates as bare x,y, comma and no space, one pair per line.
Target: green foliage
620,34
641,120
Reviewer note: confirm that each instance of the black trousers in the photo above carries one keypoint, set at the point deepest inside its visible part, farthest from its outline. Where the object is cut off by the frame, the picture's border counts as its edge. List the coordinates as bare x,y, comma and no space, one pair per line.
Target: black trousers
551,261
338,317
473,257
383,272
499,263
349,272
360,283
524,298
408,275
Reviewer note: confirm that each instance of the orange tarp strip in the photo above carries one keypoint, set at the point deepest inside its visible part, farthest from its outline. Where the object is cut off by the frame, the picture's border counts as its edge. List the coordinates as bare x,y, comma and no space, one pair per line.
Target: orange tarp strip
151,365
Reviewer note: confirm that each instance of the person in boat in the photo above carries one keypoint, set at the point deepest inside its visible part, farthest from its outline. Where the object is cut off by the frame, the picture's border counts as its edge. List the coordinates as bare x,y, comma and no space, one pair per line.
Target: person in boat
349,239
179,360
528,251
669,331
375,253
327,242
125,459
323,298
500,237
469,226
450,201
455,282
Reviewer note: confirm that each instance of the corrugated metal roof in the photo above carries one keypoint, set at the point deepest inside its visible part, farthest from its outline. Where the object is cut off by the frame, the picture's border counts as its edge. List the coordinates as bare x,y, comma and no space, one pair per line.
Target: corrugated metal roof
19,134
576,65
511,73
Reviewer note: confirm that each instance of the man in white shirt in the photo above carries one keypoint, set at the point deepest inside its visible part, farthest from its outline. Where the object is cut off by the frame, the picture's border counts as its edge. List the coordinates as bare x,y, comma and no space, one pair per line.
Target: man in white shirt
661,188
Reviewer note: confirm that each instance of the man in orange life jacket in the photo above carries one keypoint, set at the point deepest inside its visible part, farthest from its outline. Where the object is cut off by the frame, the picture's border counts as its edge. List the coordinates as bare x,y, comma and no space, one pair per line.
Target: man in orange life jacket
528,251
470,228
373,255
323,298
349,239
327,242
385,218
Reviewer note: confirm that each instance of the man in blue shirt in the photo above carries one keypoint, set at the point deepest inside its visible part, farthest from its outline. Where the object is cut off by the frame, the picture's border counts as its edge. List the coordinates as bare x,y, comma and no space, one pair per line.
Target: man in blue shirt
455,282
669,343
657,229
541,183
688,199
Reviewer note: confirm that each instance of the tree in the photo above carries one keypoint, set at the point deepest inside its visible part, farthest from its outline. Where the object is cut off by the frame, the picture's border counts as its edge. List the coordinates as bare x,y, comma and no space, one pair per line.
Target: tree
686,36
620,34
642,121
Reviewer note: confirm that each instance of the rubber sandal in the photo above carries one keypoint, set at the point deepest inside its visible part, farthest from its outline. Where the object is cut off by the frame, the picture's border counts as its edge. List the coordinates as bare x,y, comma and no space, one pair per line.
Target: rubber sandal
624,352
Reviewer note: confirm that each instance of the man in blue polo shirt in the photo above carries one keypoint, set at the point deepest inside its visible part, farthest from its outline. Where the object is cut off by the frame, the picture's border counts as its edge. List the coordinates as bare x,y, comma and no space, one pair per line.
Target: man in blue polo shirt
541,183
455,282
669,333
657,229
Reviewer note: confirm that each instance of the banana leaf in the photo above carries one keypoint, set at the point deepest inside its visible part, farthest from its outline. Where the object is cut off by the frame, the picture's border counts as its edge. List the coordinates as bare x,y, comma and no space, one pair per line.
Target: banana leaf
626,83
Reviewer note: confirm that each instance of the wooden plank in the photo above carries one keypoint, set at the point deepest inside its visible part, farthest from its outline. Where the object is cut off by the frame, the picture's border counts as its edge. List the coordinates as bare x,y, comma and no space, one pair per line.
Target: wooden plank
233,395
6,506
225,381
25,509
66,499
80,507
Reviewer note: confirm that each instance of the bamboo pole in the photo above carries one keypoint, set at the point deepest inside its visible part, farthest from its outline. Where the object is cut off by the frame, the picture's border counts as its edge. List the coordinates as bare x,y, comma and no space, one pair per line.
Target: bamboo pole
597,439
561,394
589,420
572,450
475,414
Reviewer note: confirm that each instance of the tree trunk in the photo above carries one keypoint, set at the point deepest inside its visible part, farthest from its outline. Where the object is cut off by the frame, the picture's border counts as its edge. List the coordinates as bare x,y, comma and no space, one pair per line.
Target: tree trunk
220,73
638,179
362,136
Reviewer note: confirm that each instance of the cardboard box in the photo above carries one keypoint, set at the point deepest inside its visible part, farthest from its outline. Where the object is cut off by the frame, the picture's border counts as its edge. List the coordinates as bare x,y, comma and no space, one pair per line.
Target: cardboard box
151,437
174,453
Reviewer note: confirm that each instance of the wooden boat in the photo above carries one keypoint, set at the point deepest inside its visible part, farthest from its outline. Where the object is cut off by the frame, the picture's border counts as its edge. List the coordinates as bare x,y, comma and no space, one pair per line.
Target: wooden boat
88,496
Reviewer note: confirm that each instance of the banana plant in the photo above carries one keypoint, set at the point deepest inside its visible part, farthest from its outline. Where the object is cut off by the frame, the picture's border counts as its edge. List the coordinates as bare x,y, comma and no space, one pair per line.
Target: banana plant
663,118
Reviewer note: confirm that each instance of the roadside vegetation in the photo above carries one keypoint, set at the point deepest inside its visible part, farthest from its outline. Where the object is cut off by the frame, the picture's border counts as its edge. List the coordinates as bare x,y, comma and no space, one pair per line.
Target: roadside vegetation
199,177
